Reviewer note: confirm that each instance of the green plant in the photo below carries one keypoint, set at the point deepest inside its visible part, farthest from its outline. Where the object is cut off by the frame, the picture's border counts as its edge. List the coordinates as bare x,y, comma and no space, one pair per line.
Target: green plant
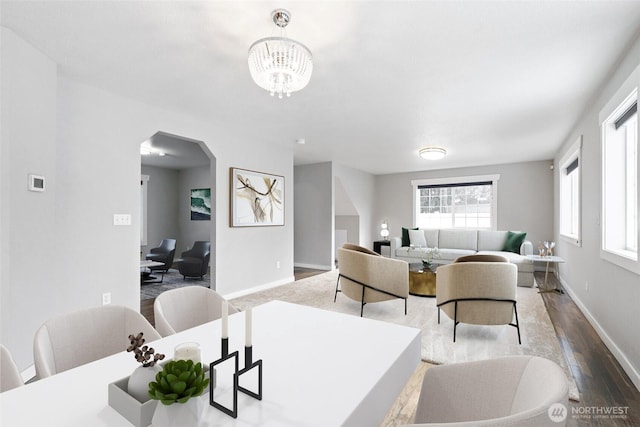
179,381
142,352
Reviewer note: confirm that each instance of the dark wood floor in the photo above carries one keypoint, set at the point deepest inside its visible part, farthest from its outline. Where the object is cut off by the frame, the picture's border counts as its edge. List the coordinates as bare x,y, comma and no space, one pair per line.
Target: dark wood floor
600,378
602,383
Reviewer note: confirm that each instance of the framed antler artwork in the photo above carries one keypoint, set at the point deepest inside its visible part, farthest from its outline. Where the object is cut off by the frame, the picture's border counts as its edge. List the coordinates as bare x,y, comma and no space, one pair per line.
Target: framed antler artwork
257,199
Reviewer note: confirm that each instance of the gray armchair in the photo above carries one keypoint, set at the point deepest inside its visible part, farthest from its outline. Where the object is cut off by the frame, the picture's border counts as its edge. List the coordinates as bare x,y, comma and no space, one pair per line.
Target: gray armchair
195,261
164,254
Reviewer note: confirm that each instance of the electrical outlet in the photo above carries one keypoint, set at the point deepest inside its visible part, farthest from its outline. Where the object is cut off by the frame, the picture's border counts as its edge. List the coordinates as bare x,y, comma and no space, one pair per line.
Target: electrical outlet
277,264
106,298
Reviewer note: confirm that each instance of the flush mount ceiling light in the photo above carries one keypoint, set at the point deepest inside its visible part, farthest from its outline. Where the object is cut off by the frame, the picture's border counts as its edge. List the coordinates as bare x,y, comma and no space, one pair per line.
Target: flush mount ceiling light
147,150
278,64
432,153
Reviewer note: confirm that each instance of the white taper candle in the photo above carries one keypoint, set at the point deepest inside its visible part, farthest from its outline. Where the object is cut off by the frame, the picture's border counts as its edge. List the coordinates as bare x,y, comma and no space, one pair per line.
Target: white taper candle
247,325
225,319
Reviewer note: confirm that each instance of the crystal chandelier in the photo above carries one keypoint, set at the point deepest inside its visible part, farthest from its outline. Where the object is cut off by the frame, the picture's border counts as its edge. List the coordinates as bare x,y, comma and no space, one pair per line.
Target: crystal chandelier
279,64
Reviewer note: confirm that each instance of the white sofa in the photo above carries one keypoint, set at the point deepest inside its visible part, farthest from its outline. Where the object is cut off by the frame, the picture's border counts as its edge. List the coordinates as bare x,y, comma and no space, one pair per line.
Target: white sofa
453,243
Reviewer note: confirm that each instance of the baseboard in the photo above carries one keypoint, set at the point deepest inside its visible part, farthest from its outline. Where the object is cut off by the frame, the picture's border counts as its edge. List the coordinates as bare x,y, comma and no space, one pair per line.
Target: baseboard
259,288
314,266
634,375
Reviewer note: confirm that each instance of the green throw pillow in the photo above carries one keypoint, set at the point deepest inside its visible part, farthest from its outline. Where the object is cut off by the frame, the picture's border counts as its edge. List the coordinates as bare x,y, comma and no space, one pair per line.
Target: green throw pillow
513,242
405,236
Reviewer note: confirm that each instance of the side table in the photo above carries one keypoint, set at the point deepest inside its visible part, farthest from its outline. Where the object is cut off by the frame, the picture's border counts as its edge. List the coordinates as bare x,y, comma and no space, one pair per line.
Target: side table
422,281
549,260
378,244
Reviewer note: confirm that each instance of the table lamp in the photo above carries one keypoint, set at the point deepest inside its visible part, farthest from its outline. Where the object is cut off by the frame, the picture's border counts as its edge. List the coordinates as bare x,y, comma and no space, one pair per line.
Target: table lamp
385,231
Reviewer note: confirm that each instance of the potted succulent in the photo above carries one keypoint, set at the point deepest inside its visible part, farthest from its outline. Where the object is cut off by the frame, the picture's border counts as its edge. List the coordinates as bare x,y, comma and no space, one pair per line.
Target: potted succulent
138,384
175,386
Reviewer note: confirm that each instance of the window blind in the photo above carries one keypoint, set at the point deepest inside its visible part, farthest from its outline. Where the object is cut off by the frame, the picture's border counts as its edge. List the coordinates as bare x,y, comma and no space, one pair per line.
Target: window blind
626,115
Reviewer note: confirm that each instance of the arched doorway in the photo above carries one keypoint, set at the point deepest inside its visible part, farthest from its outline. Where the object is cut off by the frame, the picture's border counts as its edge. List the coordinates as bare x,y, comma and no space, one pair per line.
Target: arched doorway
178,194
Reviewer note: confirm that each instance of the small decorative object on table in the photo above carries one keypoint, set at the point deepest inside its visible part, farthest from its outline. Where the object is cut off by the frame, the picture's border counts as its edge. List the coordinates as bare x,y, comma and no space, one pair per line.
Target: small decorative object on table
139,380
178,387
549,245
427,261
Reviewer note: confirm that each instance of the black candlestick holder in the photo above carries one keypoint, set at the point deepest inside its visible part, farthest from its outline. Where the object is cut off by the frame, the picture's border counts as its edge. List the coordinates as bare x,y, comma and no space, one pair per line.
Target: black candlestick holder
233,411
224,346
249,365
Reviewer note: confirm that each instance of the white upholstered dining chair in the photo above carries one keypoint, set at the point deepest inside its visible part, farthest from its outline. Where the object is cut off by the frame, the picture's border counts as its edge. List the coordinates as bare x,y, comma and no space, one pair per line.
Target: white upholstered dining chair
73,339
182,308
507,391
9,374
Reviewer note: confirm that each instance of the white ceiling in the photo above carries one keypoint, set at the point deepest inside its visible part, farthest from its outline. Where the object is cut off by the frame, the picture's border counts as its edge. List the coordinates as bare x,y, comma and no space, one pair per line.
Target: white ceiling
178,152
492,82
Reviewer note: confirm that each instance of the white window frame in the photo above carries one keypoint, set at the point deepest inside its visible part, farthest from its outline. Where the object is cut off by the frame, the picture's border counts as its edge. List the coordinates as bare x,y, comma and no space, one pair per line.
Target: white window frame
144,184
610,247
569,217
459,180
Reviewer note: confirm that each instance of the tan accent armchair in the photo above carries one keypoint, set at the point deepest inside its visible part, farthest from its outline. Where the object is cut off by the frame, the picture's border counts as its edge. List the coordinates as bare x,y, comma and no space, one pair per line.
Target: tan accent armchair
507,391
367,277
478,293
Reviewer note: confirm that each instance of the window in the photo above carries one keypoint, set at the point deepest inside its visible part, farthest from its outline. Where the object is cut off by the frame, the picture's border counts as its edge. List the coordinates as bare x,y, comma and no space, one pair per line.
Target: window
464,202
620,184
570,170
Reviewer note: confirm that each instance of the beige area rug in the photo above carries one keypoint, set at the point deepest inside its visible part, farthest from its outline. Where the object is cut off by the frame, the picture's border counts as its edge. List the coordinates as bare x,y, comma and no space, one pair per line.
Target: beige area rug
473,342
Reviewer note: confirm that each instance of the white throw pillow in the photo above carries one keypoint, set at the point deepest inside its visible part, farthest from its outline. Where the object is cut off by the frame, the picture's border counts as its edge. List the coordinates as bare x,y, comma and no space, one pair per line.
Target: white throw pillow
416,238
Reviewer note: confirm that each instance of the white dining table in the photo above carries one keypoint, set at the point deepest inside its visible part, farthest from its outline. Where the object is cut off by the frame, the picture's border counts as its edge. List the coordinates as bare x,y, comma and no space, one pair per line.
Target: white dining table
320,368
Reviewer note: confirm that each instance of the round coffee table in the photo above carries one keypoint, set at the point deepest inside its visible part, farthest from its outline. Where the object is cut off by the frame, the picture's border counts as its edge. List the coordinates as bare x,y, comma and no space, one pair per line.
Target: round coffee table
422,282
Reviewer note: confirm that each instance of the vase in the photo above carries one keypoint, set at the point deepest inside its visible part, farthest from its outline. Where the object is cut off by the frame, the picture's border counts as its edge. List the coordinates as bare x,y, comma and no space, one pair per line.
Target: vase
138,385
178,414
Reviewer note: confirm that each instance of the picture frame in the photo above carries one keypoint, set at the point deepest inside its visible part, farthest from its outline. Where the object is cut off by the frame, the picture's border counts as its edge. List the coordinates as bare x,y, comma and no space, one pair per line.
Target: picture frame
257,198
200,205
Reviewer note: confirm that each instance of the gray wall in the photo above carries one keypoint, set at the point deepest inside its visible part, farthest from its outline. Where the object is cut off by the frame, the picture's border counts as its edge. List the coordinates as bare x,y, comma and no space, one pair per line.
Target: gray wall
611,301
191,231
162,206
55,126
314,216
525,197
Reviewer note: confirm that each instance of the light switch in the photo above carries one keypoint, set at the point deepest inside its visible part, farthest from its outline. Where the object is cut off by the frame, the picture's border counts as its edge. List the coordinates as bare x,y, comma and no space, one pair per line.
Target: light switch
121,219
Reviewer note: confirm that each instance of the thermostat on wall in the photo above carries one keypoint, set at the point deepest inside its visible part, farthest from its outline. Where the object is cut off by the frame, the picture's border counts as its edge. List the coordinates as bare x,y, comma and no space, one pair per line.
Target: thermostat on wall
36,182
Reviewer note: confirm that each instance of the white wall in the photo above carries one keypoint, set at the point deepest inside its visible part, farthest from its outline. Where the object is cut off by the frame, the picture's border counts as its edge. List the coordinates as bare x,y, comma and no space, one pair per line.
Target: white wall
611,301
314,216
87,141
525,197
28,241
361,189
350,224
